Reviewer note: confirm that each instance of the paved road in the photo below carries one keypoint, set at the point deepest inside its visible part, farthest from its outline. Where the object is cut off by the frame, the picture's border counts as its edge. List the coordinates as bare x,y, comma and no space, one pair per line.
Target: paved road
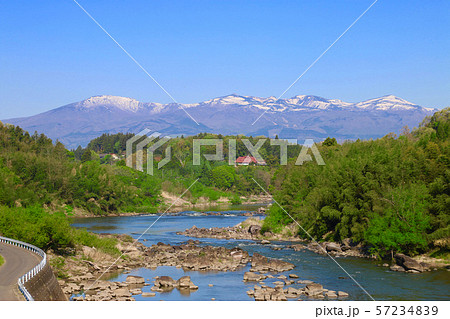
17,262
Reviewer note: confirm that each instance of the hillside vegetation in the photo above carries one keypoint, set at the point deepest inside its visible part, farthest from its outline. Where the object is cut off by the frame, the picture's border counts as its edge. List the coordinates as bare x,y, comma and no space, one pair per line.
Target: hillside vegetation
34,171
47,230
392,194
216,179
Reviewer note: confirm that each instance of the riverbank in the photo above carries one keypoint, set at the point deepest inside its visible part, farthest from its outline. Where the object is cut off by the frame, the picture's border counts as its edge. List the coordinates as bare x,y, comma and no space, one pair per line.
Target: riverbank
175,204
179,204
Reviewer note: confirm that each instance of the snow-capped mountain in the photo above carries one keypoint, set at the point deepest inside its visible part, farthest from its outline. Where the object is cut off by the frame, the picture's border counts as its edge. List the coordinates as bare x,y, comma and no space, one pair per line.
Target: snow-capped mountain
301,116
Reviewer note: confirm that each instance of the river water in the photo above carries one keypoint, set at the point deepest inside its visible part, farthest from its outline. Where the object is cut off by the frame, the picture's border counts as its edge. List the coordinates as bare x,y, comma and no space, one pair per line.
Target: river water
379,282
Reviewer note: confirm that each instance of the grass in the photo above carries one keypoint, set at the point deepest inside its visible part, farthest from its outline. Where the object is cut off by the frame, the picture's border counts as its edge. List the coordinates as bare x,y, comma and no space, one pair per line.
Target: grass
252,221
2,260
106,245
275,221
197,190
57,265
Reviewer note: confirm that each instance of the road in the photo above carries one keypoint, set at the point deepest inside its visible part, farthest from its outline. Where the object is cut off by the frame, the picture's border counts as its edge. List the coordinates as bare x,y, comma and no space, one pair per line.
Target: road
18,261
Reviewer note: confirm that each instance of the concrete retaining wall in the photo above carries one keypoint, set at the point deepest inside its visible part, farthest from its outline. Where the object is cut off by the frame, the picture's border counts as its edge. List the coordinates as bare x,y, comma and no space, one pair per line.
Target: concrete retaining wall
44,286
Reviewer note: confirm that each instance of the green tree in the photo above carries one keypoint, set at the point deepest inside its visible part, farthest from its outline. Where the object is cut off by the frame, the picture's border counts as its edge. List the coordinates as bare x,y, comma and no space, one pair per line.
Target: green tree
404,224
329,142
86,156
223,176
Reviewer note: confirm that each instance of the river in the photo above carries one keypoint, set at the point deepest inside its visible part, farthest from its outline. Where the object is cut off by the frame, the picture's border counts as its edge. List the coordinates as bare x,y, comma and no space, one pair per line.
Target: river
379,282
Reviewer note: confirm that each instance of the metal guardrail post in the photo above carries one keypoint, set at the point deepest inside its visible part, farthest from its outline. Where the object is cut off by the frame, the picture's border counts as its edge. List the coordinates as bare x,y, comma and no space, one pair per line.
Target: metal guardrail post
33,272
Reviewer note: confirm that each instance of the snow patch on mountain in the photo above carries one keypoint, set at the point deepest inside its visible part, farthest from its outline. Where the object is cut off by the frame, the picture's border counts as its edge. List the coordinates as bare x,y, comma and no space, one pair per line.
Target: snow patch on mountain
123,103
230,99
388,102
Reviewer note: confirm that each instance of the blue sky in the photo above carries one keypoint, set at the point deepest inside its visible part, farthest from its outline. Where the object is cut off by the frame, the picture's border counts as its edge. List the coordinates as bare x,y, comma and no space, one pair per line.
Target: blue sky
52,54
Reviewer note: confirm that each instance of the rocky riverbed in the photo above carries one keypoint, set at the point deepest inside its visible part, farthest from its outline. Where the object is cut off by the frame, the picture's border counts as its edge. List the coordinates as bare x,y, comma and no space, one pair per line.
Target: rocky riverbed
82,271
250,229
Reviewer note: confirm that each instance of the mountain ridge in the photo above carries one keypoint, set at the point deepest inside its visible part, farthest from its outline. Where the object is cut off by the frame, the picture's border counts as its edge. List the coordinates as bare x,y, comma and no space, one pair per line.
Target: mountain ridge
235,99
301,116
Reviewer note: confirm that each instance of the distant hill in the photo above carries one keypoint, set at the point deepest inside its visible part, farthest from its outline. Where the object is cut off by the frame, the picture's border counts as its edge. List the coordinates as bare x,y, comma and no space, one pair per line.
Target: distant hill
302,116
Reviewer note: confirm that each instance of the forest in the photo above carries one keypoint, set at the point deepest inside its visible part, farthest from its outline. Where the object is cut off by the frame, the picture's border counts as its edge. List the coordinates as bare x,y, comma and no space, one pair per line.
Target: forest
391,194
34,171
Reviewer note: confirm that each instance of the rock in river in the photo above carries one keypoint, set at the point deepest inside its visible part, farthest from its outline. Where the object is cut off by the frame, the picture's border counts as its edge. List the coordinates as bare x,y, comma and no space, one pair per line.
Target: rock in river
251,276
164,281
254,229
135,280
313,289
333,247
122,292
396,268
261,263
408,263
186,283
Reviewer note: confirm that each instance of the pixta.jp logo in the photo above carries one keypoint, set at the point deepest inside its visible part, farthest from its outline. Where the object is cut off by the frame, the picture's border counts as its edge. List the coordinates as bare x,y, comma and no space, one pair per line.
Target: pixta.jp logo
135,151
151,143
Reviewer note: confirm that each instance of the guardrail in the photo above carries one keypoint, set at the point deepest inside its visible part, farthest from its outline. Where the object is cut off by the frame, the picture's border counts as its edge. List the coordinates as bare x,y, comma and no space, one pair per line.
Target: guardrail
33,272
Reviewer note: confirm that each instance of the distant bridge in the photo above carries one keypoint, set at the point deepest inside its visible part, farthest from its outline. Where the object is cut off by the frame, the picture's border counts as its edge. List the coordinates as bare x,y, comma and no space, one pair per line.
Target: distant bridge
26,275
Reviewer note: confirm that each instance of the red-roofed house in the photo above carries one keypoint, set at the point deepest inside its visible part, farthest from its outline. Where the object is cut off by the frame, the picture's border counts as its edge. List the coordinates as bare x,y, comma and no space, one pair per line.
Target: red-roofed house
247,160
